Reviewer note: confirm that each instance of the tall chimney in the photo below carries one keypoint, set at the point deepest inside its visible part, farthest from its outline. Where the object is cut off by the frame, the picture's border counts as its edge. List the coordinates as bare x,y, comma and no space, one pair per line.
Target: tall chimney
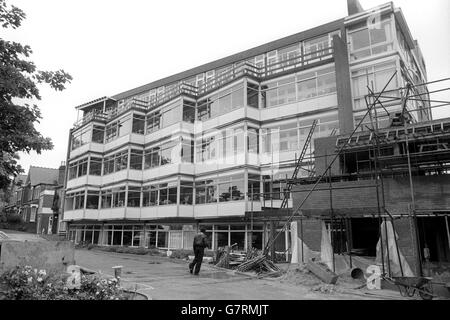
354,7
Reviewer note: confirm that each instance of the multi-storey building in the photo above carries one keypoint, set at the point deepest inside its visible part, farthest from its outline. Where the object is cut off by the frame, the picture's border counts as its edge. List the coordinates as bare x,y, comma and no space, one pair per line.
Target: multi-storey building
148,165
33,199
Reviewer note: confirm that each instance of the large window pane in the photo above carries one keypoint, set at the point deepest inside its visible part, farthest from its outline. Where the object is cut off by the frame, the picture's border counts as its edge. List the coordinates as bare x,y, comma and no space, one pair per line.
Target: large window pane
326,84
134,197
138,124
136,160
92,200
306,89
252,95
95,167
186,193
98,134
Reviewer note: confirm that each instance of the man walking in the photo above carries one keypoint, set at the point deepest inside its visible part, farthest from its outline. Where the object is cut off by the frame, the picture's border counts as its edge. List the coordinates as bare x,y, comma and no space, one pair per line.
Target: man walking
200,243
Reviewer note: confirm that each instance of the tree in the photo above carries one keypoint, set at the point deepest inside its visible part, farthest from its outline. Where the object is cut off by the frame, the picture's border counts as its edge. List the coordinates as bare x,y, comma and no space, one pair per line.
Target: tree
19,79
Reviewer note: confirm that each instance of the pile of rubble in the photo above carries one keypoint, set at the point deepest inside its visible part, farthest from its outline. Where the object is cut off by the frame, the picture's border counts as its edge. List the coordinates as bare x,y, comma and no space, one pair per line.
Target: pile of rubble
247,262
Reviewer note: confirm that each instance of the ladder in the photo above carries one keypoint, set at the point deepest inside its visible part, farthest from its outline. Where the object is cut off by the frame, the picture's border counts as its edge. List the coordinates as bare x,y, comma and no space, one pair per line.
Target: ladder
290,183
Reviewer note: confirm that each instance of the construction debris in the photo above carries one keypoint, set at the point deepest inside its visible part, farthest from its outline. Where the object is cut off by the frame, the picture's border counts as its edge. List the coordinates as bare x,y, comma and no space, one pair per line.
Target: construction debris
252,260
261,265
321,271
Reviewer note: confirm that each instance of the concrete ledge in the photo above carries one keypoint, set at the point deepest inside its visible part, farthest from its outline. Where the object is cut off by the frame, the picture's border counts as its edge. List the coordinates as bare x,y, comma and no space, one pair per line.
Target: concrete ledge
51,256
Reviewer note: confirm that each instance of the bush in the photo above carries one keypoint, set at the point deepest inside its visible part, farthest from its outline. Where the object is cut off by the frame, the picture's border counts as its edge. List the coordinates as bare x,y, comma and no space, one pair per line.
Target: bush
26,283
14,218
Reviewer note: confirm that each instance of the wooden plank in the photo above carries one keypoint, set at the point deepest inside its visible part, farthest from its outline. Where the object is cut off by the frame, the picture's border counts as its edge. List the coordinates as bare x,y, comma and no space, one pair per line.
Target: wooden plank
322,272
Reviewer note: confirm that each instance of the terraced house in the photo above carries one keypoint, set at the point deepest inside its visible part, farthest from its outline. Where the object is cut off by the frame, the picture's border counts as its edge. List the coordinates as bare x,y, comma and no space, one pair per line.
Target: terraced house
207,145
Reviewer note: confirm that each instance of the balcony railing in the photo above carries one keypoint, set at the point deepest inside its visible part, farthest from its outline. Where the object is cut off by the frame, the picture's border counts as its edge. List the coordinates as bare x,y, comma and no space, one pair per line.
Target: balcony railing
239,70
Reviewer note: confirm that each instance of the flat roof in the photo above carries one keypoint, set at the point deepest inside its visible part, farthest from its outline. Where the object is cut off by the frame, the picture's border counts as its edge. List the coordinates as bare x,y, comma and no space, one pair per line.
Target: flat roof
244,55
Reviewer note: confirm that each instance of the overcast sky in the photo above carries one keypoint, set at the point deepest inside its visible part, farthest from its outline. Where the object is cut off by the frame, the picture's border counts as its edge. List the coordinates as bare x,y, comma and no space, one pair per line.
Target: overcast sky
111,46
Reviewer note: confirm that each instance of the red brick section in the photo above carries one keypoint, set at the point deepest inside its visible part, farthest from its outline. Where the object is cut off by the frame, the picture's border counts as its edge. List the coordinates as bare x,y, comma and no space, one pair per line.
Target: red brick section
405,241
430,192
312,233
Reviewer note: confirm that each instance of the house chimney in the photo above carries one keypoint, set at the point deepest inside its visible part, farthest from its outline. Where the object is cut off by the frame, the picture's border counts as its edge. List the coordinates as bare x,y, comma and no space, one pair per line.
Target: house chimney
354,7
61,174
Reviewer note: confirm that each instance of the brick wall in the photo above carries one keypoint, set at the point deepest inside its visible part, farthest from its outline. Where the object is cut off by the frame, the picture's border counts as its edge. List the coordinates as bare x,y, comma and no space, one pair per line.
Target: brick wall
405,241
359,197
312,233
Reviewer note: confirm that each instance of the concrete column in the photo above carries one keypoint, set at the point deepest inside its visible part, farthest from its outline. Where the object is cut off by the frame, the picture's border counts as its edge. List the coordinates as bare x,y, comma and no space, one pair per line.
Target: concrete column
343,86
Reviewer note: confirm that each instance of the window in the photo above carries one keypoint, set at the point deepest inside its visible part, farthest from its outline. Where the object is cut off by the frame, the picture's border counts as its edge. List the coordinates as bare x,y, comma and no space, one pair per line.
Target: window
68,205
306,88
162,194
33,214
379,75
168,193
206,149
286,56
368,40
136,159
221,103
186,192
108,165
231,188
206,191
138,124
326,81
92,200
121,161
280,138
118,197
115,162
288,137
151,158
253,140
124,126
187,151
79,200
169,153
134,197
315,48
80,138
111,131
95,166
150,196
153,122
82,167
239,141
252,95
78,168
171,114
98,134
106,199
253,186
188,111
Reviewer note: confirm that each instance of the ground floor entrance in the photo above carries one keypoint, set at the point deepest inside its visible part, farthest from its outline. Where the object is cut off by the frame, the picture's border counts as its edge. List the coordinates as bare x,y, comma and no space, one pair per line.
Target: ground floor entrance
241,236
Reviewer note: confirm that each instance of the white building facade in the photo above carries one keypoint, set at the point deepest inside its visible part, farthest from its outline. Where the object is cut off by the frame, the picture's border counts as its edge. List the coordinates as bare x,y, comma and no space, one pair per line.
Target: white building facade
214,145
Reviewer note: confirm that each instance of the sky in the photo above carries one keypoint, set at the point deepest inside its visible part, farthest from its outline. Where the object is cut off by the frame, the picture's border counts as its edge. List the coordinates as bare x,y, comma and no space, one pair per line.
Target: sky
111,46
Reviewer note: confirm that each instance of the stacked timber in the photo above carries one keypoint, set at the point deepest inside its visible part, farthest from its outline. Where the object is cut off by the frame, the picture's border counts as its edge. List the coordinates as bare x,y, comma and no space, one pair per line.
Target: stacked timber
261,265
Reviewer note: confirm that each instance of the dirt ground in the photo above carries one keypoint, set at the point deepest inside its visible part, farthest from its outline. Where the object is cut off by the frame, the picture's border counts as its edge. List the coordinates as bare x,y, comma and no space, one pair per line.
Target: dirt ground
163,278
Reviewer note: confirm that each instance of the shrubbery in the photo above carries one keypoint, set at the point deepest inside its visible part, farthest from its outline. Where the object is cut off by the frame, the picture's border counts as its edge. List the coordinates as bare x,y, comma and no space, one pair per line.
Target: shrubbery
26,283
13,218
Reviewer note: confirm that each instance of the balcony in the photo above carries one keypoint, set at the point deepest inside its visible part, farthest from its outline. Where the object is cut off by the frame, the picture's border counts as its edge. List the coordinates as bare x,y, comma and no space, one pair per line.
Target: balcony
239,70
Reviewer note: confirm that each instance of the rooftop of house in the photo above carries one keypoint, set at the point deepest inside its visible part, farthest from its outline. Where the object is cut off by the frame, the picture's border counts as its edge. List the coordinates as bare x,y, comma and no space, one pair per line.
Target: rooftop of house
41,175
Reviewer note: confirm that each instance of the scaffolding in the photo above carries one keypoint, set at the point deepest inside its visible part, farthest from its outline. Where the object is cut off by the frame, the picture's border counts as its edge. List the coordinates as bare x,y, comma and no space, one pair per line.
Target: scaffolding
402,123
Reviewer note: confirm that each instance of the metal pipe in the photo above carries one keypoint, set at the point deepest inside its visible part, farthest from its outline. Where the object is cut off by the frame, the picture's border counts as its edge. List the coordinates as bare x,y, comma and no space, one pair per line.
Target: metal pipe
301,235
448,231
331,215
377,185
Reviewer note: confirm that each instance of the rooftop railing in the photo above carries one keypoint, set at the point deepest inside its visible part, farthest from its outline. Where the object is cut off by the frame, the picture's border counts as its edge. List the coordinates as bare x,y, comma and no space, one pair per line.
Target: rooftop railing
259,73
